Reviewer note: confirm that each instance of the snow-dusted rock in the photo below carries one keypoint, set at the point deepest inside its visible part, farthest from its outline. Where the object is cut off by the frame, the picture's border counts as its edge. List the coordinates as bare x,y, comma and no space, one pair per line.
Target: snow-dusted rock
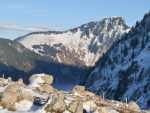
14,93
75,106
57,104
42,83
3,82
90,106
23,106
78,89
46,88
42,78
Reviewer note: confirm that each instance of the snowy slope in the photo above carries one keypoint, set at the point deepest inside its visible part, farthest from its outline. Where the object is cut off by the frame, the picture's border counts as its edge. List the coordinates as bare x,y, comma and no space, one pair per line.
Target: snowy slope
79,46
124,71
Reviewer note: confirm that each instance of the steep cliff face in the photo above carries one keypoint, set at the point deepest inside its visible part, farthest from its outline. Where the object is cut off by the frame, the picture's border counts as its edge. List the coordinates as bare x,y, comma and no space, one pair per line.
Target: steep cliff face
80,46
124,71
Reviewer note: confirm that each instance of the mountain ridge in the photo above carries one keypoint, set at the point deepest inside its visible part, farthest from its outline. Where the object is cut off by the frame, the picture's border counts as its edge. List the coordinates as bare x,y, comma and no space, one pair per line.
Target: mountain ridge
123,72
85,43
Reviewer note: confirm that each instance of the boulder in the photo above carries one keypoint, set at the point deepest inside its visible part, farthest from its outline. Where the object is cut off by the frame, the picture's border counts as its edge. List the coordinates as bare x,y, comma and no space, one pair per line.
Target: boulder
14,93
133,106
3,82
48,79
5,100
78,88
75,107
46,88
57,104
90,106
38,79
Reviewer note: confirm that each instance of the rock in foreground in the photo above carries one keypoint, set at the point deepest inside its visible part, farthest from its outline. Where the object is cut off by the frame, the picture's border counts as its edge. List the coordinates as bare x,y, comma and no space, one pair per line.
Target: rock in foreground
40,97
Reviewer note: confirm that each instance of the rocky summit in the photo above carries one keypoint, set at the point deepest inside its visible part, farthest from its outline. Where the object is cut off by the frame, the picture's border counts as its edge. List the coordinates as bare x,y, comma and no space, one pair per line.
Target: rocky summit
40,97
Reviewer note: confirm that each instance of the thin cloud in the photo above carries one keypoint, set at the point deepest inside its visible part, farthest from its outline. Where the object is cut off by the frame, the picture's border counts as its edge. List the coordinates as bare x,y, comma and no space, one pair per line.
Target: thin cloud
22,28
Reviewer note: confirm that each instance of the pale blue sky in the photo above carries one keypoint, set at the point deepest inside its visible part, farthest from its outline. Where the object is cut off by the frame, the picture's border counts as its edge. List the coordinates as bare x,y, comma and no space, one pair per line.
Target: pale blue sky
22,16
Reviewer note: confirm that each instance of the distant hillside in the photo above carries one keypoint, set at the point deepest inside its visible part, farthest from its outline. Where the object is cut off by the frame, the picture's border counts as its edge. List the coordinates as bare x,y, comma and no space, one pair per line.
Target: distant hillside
16,60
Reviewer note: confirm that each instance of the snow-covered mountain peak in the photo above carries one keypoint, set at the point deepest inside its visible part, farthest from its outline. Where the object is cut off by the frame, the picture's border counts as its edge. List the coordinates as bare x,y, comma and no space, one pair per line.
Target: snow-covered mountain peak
104,25
82,45
115,20
123,72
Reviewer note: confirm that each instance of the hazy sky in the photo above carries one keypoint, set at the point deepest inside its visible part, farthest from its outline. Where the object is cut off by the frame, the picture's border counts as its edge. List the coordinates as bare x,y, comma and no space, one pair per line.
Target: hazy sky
22,16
